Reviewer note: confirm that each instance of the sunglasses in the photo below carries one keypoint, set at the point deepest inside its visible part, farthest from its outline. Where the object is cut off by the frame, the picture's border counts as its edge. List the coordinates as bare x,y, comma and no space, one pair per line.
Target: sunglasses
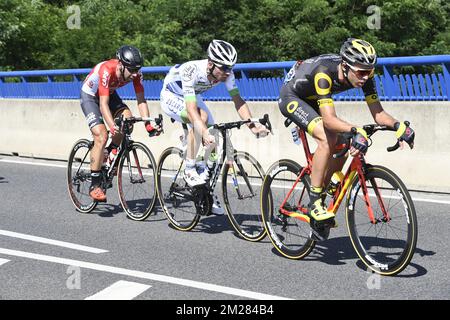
224,68
132,70
360,73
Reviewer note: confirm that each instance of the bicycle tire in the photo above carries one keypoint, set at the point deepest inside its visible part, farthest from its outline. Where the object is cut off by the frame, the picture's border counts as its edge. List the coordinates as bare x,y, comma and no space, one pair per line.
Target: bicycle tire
289,236
248,225
171,191
137,179
399,205
79,176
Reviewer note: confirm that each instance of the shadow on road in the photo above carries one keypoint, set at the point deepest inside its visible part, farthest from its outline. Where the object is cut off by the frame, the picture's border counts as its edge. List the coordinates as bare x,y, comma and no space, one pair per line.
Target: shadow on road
335,251
2,180
108,210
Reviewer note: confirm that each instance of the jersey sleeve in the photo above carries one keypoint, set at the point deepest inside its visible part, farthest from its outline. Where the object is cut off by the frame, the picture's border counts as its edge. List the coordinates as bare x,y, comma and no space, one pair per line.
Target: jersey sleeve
104,75
322,88
231,86
138,83
188,74
370,91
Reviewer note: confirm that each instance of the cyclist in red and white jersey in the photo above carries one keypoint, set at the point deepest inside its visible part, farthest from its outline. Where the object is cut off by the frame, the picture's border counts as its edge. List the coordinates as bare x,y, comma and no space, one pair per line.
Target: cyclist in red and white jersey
101,105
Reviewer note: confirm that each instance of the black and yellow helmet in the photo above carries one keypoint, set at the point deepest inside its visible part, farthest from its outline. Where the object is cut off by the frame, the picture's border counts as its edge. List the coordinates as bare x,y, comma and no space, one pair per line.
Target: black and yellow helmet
358,53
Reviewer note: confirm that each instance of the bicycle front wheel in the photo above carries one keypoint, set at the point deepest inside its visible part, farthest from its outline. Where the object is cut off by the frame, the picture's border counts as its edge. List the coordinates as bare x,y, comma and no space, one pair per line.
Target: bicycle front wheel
136,181
284,202
241,185
79,176
175,196
387,244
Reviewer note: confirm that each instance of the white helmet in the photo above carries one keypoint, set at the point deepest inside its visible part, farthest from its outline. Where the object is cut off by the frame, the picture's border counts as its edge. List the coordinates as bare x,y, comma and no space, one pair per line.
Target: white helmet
223,53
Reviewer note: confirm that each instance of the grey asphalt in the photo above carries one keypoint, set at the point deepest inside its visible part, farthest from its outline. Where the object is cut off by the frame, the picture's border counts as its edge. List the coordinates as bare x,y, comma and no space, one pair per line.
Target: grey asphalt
34,201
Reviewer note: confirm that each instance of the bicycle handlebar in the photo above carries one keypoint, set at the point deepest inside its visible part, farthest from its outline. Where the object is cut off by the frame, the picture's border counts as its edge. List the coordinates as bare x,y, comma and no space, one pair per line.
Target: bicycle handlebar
120,122
237,124
370,129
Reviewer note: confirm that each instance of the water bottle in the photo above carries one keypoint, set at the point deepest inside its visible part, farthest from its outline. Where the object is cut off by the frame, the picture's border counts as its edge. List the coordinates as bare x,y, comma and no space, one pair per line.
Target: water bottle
105,159
211,162
295,137
336,179
111,157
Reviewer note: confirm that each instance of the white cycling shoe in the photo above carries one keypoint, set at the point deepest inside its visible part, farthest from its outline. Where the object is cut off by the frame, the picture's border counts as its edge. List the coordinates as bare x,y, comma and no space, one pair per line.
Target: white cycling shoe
192,178
203,172
216,207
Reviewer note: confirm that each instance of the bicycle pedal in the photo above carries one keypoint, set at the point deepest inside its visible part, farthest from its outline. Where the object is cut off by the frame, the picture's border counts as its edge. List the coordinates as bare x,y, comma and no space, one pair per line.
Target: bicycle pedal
320,230
320,234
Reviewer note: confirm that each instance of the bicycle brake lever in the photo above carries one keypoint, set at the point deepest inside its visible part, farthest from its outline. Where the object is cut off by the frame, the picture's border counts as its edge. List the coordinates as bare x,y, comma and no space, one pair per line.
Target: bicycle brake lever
394,147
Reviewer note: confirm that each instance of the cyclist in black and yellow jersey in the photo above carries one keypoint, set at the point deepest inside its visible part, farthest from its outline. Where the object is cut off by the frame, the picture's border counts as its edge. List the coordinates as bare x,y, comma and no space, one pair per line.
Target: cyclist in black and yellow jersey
306,99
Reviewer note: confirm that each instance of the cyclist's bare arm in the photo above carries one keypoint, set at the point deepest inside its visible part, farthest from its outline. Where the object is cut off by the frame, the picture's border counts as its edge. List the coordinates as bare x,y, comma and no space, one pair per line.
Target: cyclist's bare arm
241,107
142,105
106,113
380,116
244,112
331,120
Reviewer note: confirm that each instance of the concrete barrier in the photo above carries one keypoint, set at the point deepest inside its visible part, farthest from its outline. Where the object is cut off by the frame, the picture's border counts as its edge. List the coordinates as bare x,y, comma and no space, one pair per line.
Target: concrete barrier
49,128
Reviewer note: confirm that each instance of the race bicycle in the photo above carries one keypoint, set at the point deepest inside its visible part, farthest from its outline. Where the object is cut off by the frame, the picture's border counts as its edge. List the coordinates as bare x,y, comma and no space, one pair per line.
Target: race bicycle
133,164
380,215
241,178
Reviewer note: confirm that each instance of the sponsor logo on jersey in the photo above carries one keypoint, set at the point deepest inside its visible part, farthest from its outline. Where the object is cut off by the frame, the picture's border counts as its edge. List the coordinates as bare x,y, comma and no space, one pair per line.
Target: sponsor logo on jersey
189,72
105,78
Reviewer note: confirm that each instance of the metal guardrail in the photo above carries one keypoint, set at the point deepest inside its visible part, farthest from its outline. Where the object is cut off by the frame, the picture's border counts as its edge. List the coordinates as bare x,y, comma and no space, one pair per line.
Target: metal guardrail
390,86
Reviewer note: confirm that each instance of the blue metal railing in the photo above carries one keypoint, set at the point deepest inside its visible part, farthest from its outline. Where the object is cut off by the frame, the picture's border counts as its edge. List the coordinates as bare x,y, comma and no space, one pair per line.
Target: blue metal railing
390,86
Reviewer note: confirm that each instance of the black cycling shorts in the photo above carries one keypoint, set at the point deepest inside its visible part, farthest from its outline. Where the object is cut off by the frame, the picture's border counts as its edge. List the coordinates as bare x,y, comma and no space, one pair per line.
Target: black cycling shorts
91,107
299,111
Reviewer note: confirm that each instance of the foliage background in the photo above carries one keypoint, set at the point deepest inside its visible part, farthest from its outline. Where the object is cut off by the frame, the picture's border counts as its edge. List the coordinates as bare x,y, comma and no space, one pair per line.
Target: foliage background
34,33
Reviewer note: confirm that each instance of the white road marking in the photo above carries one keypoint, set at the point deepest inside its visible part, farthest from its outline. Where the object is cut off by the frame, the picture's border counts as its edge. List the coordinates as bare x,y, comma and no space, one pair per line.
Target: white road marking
144,275
51,241
3,261
169,176
120,290
35,163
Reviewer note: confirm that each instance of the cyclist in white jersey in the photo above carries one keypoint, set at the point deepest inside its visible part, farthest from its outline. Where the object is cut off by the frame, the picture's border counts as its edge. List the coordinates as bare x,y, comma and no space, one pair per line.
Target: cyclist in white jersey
181,100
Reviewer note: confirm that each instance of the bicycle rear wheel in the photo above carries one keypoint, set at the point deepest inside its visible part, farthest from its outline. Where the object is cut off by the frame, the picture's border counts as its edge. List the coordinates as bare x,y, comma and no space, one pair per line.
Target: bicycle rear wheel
79,176
288,233
136,181
386,246
241,185
174,195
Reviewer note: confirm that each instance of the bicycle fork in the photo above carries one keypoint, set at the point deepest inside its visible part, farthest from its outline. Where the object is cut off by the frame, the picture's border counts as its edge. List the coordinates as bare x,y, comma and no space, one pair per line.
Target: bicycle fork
363,182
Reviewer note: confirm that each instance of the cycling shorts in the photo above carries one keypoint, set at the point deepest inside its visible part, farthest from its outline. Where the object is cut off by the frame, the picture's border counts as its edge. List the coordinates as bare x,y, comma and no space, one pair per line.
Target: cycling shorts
175,107
299,111
91,108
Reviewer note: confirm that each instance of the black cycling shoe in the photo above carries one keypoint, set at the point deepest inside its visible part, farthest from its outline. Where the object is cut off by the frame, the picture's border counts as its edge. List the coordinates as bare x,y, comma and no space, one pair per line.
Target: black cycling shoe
320,230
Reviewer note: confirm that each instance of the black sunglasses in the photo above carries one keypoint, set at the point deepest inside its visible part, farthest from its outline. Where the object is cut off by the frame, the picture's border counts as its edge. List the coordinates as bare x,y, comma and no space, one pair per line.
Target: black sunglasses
132,70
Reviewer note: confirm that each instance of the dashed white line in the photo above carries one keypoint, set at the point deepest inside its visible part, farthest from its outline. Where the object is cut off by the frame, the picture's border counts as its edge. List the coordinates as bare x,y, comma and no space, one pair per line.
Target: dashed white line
51,241
3,261
120,290
143,275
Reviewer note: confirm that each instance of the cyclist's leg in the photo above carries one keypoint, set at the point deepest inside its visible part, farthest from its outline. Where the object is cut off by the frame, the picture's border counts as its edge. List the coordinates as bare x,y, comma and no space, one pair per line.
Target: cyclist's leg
118,108
335,164
91,110
307,118
208,120
174,106
209,157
